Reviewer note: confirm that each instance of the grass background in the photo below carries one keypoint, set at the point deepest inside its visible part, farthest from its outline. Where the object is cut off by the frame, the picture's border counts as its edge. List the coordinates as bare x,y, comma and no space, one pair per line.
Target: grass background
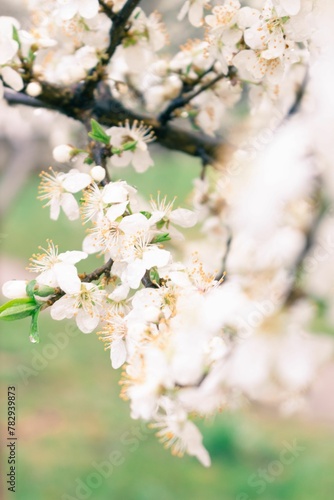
70,416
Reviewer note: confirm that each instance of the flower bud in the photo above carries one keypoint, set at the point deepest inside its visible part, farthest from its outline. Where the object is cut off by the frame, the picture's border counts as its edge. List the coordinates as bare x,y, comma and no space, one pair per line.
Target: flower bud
62,153
15,289
98,173
34,89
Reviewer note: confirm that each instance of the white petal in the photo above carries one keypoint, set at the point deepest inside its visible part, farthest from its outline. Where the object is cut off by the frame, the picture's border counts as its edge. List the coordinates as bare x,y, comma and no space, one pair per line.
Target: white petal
70,206
141,160
76,182
86,322
247,16
292,7
67,277
68,11
55,208
63,308
155,256
135,223
122,160
120,293
134,273
8,49
47,278
196,14
116,211
183,217
72,256
12,78
117,353
89,244
88,8
114,192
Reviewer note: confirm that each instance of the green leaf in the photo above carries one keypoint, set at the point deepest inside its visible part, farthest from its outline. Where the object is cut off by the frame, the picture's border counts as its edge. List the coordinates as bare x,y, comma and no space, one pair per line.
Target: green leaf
98,133
18,309
88,161
129,146
148,215
34,334
160,238
160,224
34,288
16,36
154,276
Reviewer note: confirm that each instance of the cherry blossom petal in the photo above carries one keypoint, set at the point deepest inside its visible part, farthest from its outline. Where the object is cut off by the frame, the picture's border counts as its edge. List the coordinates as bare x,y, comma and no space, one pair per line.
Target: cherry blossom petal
12,78
114,192
155,256
291,7
73,183
142,160
183,217
116,211
70,206
88,8
72,256
118,353
134,273
67,278
122,160
86,322
63,308
134,224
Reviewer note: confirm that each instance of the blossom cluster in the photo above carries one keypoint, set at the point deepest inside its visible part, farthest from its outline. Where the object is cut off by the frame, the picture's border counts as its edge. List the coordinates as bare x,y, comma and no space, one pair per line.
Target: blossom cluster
243,46
189,342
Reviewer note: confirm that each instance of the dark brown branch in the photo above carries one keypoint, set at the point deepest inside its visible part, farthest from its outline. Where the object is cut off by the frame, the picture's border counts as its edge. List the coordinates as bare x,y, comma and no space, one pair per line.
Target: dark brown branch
294,291
95,275
299,96
119,23
110,112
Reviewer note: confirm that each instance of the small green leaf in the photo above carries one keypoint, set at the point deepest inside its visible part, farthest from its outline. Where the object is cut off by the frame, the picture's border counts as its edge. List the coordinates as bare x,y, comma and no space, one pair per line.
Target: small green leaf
98,133
88,161
154,276
116,151
16,36
129,146
34,335
160,238
148,215
34,288
18,309
160,224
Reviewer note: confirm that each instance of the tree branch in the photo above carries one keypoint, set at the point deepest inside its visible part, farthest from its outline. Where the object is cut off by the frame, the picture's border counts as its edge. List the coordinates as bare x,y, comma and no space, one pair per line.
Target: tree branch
95,275
110,112
183,99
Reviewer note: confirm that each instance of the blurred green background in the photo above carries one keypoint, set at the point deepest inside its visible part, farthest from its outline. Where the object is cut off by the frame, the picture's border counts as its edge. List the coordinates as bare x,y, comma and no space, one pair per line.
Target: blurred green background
71,419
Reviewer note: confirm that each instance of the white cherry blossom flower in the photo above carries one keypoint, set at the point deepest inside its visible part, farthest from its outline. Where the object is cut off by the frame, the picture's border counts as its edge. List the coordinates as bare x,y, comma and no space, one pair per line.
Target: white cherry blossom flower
58,188
180,434
137,136
85,305
140,256
57,269
162,211
114,336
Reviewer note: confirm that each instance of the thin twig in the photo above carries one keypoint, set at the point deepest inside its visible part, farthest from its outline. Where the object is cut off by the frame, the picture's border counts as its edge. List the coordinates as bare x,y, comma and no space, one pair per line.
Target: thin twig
183,99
